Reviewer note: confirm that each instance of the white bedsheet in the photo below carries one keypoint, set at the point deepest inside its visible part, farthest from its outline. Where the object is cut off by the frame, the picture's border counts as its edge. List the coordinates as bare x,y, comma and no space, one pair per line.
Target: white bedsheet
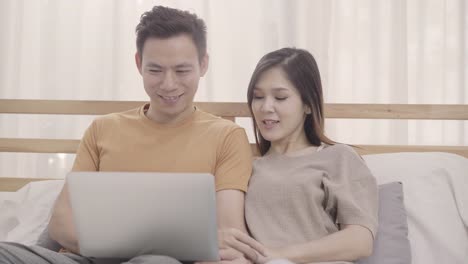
436,199
24,214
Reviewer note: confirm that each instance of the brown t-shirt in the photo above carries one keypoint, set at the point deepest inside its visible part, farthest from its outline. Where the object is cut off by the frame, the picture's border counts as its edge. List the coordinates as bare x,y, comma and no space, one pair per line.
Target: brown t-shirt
300,198
129,141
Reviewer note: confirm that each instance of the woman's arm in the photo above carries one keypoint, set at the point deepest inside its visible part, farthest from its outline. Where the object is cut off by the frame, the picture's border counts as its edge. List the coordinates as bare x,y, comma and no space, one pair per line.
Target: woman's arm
349,244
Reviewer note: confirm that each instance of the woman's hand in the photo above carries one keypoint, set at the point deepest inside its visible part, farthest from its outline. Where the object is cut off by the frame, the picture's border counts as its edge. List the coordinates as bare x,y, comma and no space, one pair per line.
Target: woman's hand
252,249
228,254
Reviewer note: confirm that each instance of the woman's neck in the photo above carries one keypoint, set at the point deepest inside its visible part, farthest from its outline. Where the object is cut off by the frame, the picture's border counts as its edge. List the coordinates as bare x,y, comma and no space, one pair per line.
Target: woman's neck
289,146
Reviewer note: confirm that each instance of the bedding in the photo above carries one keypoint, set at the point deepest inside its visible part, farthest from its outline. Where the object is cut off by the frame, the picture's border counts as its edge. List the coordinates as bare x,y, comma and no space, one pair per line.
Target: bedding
435,199
26,212
391,244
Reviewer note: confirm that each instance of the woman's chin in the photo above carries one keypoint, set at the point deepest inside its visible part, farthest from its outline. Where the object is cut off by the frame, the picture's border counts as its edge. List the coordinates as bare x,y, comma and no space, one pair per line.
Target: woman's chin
269,137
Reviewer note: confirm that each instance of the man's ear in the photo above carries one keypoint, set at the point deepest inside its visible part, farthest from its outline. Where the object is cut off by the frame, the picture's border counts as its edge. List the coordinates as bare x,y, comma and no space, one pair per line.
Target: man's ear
205,61
138,61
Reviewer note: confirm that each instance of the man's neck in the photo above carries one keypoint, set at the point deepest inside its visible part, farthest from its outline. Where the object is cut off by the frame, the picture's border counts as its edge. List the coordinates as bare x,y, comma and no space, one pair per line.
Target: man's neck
168,119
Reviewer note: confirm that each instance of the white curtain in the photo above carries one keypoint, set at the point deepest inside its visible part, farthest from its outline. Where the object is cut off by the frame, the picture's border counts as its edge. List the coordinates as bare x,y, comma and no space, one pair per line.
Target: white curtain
369,51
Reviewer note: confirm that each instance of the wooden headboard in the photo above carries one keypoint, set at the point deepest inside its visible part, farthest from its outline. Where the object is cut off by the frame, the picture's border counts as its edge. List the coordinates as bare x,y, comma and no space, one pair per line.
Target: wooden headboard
225,110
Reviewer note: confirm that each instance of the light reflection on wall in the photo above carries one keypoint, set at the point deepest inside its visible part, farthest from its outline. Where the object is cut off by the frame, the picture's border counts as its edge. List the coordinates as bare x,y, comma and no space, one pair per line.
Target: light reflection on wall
35,165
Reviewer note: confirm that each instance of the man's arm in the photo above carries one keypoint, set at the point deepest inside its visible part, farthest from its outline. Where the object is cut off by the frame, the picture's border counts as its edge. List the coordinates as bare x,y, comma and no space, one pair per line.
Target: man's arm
233,170
230,209
61,227
230,214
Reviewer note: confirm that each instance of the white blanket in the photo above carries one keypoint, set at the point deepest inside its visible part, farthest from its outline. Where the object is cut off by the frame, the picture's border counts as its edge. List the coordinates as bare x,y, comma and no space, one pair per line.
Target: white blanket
25,213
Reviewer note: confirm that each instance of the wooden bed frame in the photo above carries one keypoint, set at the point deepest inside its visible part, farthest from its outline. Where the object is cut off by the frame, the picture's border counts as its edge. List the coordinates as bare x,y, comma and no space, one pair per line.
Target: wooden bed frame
226,110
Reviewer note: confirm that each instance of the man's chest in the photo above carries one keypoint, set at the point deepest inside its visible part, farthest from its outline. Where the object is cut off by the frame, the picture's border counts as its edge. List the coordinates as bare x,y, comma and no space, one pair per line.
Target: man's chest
169,154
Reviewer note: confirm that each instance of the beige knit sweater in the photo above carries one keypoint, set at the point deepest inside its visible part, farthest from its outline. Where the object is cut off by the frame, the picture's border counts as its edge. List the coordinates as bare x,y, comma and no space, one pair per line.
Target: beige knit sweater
296,199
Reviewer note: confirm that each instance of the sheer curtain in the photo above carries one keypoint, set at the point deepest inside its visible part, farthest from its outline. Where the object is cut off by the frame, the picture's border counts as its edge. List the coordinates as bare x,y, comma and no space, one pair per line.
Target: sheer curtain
369,51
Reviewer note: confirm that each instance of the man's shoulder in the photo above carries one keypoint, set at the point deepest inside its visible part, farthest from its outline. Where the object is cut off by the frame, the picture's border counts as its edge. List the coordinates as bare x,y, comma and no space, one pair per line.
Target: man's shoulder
118,118
215,122
124,115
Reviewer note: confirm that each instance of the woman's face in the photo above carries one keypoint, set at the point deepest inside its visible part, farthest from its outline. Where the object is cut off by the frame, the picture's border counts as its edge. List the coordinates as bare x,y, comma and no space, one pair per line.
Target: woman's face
278,108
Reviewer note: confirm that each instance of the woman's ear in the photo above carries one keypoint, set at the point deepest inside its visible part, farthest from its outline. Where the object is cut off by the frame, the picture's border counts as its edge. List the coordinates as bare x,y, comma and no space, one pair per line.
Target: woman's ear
307,110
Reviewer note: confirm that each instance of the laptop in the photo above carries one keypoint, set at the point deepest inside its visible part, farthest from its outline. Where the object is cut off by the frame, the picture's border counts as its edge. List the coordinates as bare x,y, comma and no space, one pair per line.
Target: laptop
127,214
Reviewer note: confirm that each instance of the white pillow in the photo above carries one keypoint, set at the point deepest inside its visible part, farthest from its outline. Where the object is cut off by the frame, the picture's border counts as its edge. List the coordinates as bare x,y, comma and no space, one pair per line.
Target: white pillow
26,212
436,199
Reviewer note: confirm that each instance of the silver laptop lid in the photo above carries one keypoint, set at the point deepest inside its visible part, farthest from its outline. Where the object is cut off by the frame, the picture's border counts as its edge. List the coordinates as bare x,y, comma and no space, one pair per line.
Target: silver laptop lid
127,214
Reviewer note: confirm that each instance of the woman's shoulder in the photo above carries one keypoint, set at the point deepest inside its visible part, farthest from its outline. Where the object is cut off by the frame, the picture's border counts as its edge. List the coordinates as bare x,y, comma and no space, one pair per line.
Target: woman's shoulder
344,162
325,150
341,150
341,155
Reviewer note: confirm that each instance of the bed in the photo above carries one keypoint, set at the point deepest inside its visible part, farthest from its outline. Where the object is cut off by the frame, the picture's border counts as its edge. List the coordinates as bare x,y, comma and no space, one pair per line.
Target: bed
433,216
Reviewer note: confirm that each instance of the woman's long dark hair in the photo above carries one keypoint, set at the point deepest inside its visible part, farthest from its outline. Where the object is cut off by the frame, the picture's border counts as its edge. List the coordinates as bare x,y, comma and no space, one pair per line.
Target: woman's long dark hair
302,71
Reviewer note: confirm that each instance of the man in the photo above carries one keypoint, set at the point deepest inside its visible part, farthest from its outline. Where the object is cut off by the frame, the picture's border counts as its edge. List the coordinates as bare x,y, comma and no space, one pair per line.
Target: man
169,134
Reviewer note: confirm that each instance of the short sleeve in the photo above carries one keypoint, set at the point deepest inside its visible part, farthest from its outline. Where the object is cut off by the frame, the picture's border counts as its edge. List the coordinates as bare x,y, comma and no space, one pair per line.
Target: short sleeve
87,155
351,191
234,162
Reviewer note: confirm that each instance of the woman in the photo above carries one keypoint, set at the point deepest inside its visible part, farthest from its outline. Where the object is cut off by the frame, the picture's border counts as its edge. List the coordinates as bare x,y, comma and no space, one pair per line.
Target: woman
309,199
